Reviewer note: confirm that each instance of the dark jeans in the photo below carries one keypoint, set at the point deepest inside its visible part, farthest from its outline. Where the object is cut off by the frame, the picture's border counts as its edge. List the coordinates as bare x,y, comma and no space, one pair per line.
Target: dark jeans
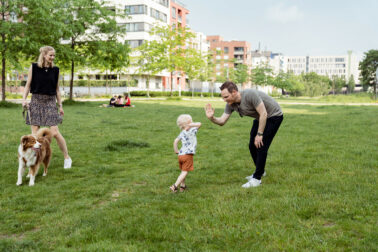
259,154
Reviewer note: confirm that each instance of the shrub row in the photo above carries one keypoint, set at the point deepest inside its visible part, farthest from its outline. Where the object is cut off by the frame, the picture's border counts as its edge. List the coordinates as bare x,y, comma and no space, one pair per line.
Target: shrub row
175,93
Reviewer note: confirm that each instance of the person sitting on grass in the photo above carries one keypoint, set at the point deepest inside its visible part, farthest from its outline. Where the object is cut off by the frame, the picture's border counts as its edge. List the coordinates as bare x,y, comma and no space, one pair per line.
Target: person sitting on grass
111,102
119,102
188,140
128,101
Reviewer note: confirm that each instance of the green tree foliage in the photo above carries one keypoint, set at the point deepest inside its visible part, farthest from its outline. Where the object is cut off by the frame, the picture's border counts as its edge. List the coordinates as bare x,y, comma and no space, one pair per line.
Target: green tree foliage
314,84
262,75
82,23
289,82
368,66
108,56
25,25
337,83
351,84
241,74
148,60
171,48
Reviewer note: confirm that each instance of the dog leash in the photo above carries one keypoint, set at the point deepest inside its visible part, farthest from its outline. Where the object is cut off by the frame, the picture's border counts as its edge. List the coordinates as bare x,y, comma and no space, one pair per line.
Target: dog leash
26,113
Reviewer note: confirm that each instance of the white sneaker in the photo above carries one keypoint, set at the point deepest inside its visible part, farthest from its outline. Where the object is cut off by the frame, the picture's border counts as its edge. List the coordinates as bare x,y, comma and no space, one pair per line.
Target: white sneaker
252,183
251,177
67,163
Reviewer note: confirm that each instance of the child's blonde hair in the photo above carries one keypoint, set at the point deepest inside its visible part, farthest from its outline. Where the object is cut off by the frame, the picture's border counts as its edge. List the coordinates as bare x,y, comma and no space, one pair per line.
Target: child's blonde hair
183,120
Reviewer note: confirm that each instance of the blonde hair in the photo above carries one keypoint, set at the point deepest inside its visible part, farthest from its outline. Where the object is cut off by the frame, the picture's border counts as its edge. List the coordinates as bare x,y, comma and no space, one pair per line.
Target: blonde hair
43,51
183,120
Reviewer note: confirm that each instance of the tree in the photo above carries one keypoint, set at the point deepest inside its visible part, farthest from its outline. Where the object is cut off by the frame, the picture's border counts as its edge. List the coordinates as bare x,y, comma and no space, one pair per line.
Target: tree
351,84
195,64
262,75
368,66
337,83
110,56
314,84
148,60
83,23
171,48
241,74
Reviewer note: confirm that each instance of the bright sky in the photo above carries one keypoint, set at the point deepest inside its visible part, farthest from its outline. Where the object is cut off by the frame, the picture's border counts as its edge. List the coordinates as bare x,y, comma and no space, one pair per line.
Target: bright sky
291,27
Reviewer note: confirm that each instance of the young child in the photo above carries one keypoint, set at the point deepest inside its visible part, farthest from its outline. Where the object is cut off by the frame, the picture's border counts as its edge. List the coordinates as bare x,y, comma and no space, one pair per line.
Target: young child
188,148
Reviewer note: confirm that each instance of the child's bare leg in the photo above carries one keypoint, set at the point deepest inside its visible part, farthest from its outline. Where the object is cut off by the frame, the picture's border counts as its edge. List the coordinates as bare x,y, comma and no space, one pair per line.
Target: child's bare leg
181,178
182,183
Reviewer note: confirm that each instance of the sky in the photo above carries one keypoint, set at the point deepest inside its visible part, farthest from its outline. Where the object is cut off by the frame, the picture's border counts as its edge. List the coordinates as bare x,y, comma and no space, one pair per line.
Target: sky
291,27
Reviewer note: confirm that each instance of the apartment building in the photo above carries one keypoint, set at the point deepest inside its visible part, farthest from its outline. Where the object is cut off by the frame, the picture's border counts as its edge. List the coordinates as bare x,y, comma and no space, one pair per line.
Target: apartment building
142,16
343,66
275,61
228,54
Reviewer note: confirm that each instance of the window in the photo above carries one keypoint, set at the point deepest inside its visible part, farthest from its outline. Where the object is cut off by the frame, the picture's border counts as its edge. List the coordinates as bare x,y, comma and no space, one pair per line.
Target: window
173,12
238,49
158,15
136,27
134,43
136,9
225,57
163,2
225,50
339,59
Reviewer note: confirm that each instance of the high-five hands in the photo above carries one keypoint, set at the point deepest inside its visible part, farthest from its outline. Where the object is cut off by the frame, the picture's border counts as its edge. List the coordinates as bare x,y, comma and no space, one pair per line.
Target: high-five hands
209,111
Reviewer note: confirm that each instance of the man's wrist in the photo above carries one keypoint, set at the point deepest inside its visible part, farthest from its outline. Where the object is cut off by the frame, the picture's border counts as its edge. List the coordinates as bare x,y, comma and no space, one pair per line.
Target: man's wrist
260,133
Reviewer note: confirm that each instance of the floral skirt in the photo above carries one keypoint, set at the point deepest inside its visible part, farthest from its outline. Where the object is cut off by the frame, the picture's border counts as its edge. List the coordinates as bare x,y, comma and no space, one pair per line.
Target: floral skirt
43,111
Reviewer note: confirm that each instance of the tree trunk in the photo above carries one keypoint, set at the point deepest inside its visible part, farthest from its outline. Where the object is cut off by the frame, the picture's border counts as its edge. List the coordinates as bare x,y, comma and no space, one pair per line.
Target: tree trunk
171,83
148,85
89,86
72,68
72,78
3,69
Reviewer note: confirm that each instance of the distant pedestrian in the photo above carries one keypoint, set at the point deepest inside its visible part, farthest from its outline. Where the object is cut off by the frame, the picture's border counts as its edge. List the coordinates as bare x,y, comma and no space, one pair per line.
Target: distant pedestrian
268,116
43,83
188,140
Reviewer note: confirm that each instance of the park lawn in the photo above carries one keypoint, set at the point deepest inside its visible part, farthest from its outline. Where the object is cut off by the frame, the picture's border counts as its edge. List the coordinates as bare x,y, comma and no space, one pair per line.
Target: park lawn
320,192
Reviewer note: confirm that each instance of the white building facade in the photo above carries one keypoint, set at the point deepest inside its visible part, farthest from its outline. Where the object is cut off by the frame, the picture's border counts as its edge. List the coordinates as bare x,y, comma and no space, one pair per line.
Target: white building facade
344,66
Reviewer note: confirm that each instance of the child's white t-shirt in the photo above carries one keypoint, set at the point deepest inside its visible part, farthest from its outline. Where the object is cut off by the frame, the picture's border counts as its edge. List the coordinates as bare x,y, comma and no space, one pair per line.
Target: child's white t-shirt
188,141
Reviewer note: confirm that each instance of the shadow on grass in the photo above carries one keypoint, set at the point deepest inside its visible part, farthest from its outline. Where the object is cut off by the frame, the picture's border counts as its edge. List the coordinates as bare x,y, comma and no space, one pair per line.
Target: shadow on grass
125,144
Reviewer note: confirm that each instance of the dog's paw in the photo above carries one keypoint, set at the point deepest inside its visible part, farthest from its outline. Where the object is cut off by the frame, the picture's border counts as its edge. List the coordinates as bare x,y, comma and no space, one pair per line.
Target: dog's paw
44,174
19,183
28,176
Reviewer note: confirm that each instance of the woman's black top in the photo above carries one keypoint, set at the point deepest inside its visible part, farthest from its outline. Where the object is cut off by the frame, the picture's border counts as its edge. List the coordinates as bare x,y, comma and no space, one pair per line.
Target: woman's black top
44,80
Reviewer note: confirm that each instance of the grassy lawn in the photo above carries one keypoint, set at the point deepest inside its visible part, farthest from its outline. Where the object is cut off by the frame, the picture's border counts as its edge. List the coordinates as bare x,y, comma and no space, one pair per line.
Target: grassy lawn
320,193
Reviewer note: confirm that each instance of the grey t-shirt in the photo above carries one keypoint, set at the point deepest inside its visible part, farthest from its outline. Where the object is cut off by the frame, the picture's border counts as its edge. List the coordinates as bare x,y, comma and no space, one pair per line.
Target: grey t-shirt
250,99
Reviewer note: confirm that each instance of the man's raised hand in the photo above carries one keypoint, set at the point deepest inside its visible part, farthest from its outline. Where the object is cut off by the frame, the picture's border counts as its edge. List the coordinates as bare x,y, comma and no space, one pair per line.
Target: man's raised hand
209,111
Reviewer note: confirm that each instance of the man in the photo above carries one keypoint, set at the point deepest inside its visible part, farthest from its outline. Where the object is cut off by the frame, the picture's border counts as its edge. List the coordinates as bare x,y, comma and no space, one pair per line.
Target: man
268,116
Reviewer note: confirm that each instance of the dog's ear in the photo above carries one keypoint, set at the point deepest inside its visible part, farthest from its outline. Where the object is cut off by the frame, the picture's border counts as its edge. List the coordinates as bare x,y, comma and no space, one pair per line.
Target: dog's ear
24,141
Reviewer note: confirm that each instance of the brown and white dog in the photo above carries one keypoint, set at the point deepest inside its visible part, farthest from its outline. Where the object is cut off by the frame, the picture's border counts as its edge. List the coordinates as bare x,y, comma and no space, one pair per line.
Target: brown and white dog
34,150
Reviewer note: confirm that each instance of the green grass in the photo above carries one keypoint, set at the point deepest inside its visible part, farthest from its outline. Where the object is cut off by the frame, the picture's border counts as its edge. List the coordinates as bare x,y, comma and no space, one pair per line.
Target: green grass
339,98
320,193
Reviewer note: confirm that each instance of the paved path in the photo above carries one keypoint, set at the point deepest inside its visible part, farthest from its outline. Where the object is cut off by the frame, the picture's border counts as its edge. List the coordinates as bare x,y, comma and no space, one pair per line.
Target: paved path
212,99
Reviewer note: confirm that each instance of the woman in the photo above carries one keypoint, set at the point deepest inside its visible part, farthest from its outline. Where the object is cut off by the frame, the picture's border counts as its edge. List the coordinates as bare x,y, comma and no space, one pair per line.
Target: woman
43,84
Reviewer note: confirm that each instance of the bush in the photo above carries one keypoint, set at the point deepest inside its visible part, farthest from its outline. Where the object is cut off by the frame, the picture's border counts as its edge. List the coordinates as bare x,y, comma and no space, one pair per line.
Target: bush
5,104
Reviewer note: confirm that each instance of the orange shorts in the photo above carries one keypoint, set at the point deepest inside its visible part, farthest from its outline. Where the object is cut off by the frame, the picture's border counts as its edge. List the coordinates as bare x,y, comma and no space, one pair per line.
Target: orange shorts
186,162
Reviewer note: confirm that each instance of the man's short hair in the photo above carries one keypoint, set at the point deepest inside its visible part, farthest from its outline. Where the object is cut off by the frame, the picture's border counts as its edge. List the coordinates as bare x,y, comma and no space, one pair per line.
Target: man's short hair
230,86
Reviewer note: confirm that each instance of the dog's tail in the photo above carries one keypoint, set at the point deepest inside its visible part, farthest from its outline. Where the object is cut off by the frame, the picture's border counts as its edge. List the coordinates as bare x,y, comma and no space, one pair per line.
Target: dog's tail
46,133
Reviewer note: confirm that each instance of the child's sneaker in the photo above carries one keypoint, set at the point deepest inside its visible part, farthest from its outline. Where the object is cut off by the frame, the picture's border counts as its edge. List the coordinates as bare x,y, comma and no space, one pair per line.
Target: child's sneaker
252,183
67,163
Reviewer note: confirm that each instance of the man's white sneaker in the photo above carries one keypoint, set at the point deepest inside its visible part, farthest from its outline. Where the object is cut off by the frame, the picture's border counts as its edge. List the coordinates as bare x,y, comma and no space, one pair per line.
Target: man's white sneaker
251,177
67,163
252,183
